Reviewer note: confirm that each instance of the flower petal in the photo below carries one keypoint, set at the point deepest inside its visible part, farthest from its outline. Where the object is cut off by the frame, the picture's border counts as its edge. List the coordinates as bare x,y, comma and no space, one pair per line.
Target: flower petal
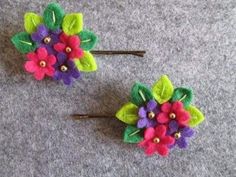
182,143
178,105
74,42
149,133
76,53
64,38
49,71
187,132
51,59
168,140
67,80
59,47
32,56
183,117
36,37
173,126
150,150
151,123
75,73
142,123
160,131
31,66
151,105
162,150
142,112
42,31
42,53
162,118
166,107
39,74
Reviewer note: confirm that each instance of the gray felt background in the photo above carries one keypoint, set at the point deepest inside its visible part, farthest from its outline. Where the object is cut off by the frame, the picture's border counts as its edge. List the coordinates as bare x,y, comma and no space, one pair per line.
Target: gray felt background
193,41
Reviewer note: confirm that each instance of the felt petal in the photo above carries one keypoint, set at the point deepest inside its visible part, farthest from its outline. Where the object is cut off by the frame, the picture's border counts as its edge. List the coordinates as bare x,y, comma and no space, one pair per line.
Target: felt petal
143,143
160,131
150,150
75,73
36,37
187,132
162,150
76,53
166,107
142,112
151,105
142,123
74,42
182,143
61,58
31,66
149,133
51,60
168,140
49,71
67,80
39,74
59,47
32,56
183,117
64,38
162,118
55,38
151,123
178,105
42,53
42,31
173,126
49,48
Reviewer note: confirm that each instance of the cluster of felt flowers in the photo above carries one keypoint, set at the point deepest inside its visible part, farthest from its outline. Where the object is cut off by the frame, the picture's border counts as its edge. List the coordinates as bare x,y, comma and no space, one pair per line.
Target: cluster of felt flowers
56,45
159,118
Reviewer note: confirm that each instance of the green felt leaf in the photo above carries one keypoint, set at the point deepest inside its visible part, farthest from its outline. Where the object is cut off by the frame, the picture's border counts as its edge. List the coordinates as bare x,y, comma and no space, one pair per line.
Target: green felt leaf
31,21
140,94
87,63
128,113
88,40
184,95
163,89
53,16
196,116
132,135
22,41
73,23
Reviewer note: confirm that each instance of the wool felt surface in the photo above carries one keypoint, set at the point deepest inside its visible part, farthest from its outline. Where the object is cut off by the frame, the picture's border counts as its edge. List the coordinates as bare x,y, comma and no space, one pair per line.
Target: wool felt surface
191,41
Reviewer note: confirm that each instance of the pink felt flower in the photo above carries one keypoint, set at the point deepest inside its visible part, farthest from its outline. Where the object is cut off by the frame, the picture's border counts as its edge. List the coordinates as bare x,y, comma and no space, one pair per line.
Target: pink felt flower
40,63
156,140
173,111
70,46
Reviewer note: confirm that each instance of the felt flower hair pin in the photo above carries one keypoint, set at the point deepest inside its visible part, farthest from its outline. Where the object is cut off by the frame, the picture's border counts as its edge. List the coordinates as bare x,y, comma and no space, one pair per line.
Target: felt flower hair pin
158,119
57,46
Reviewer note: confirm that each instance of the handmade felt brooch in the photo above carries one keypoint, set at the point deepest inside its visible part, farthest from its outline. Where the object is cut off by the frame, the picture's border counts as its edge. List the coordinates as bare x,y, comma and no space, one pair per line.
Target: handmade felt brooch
158,119
57,46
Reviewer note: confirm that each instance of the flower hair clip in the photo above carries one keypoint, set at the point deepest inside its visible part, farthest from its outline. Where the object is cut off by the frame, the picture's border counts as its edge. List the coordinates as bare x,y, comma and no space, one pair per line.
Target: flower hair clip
57,46
158,119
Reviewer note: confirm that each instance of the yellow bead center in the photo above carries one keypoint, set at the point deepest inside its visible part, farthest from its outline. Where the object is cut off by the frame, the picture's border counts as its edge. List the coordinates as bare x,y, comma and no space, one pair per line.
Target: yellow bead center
64,68
47,40
151,115
177,135
172,115
43,64
68,50
156,140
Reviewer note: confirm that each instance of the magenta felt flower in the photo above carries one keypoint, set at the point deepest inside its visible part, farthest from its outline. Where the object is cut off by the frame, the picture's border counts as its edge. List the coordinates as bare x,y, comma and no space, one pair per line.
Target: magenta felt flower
156,140
40,63
70,46
173,111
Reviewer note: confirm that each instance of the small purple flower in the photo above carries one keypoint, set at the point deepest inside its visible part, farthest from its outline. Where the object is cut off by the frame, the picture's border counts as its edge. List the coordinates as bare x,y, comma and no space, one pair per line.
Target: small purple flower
46,38
147,115
65,69
180,134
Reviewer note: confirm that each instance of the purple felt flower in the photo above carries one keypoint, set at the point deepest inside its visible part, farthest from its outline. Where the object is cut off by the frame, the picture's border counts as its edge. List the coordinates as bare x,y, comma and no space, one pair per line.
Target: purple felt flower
46,38
180,134
147,115
65,69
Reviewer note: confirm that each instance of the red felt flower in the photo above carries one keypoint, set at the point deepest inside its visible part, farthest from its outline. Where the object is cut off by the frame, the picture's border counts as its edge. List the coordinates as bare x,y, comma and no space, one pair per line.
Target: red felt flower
40,63
69,45
155,140
173,111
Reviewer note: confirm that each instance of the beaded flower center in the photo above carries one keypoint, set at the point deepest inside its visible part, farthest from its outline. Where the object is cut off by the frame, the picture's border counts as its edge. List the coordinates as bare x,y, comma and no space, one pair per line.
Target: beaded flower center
43,64
47,40
172,116
68,50
63,68
177,135
151,115
156,140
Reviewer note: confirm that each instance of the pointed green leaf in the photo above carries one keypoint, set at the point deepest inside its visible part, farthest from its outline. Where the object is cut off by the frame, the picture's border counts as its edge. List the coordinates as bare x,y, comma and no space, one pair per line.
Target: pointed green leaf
87,63
196,116
88,40
31,21
184,95
140,94
132,135
53,16
163,89
128,114
73,23
22,41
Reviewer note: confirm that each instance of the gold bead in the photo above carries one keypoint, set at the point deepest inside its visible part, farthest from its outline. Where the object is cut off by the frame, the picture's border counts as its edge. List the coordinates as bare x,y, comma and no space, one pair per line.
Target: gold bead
156,140
43,64
172,116
151,115
177,135
68,49
64,68
47,40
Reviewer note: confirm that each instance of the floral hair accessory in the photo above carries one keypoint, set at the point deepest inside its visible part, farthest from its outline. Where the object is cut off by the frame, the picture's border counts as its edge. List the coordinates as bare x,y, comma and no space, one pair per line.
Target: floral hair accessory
54,33
158,119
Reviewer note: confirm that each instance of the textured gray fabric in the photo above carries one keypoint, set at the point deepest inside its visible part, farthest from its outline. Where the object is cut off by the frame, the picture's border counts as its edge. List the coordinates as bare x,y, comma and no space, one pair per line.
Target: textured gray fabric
193,41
